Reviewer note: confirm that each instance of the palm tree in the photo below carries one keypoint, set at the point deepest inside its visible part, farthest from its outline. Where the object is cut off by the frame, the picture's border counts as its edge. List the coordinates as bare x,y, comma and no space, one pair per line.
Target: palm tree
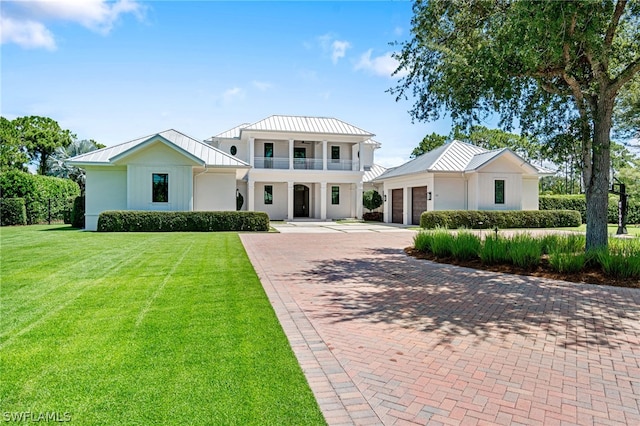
58,166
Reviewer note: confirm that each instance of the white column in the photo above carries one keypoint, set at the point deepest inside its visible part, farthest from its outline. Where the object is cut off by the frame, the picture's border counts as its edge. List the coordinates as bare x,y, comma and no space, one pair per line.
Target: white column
289,200
360,162
323,200
290,154
406,201
386,204
324,156
359,192
251,196
252,149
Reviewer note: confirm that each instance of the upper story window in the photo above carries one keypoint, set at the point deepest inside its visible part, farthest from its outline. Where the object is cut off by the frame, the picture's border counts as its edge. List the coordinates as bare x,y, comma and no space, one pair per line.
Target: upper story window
268,155
499,191
233,150
335,153
160,188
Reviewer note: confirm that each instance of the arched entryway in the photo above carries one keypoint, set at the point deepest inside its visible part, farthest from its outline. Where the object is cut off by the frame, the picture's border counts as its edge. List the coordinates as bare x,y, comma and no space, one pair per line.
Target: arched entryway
300,201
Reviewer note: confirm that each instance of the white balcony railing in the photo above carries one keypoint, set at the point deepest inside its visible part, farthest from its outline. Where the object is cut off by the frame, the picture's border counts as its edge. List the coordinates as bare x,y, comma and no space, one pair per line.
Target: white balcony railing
282,163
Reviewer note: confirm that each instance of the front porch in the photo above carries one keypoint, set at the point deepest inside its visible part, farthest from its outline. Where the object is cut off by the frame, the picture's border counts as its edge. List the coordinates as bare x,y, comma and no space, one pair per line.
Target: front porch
306,200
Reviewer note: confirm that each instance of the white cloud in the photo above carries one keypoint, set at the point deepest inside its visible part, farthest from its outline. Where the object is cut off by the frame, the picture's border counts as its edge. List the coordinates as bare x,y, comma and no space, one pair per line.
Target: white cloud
262,85
26,33
233,94
24,23
330,44
339,48
383,65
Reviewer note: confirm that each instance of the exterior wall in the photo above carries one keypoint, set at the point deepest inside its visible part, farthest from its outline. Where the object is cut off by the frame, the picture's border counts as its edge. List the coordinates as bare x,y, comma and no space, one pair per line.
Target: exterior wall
406,183
344,209
215,190
472,191
512,191
159,158
449,192
180,187
242,152
530,193
106,190
367,154
277,210
242,188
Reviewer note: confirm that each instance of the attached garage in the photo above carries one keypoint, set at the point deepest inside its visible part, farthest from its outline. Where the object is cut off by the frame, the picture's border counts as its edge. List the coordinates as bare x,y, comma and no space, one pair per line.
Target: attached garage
396,205
418,203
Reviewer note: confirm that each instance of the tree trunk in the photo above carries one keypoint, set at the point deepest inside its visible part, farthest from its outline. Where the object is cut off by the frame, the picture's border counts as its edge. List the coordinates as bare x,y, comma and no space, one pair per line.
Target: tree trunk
597,187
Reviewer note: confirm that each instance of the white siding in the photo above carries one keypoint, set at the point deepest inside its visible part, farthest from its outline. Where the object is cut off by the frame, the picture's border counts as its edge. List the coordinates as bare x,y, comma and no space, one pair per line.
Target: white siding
140,187
215,191
472,192
512,191
241,147
449,193
106,190
530,193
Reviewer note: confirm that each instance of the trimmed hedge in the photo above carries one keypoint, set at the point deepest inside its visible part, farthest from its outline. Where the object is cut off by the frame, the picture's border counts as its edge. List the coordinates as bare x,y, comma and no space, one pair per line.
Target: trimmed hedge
487,219
42,194
201,221
77,214
12,212
578,202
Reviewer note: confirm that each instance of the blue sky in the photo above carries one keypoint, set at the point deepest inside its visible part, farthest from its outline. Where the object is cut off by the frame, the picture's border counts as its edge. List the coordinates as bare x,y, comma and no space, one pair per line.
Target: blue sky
114,71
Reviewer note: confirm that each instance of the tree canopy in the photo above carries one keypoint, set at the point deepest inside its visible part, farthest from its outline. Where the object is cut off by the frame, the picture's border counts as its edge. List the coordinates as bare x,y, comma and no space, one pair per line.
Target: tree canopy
40,136
546,64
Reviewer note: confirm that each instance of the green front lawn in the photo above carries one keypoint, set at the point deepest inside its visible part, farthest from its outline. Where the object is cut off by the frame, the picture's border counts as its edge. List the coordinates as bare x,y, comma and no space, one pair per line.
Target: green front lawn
142,328
631,229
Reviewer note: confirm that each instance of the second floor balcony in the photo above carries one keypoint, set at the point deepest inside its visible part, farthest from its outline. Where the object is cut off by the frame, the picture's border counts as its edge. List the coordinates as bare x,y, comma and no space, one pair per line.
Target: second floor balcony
283,163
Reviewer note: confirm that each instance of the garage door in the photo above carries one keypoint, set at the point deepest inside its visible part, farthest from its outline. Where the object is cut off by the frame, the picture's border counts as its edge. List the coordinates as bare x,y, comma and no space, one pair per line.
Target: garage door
418,203
396,206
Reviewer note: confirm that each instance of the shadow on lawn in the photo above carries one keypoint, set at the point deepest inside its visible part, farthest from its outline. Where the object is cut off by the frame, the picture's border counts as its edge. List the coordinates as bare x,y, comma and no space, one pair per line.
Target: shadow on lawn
390,287
61,228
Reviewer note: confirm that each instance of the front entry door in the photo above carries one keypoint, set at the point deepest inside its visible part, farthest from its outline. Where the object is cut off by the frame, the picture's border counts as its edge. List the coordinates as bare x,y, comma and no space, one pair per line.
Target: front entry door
300,201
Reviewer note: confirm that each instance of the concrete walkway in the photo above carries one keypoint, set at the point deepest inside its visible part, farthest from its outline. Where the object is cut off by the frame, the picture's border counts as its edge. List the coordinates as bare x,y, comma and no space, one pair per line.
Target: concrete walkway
387,339
330,227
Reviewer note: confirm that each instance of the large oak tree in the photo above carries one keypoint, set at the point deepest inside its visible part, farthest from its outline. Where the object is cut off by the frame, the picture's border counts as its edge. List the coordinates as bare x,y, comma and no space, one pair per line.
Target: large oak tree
527,59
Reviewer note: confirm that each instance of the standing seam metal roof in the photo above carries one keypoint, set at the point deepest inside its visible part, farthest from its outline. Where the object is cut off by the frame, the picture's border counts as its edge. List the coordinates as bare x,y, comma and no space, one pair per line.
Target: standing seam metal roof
207,154
301,124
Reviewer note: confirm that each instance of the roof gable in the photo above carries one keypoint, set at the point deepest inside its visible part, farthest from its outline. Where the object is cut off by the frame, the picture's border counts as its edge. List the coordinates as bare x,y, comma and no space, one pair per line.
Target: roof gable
198,152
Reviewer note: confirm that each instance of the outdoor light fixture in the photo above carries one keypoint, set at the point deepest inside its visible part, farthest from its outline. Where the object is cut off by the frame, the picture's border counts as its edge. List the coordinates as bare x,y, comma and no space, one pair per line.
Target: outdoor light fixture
385,198
429,196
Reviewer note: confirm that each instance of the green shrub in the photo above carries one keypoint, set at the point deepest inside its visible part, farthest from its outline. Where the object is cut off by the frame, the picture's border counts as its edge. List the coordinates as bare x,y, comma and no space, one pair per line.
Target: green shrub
525,251
486,219
45,197
621,259
495,250
442,243
371,199
466,246
578,202
422,241
200,221
567,262
12,212
77,214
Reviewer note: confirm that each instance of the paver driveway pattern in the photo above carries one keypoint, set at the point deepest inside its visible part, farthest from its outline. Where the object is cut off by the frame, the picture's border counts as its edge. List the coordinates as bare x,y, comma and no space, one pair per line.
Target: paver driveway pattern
387,339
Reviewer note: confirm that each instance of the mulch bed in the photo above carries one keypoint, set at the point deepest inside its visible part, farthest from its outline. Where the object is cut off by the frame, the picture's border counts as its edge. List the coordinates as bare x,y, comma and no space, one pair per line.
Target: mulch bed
590,275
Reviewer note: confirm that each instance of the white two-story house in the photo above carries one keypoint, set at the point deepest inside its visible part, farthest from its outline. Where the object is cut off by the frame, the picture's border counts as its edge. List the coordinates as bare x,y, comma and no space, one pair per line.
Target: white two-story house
301,167
288,166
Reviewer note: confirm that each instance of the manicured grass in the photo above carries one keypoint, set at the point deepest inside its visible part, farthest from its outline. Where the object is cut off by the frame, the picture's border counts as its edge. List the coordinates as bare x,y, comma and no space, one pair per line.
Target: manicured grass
612,229
135,328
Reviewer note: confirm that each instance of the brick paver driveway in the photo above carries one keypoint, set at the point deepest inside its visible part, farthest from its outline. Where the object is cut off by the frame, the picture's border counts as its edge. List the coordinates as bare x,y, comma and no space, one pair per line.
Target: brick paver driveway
387,339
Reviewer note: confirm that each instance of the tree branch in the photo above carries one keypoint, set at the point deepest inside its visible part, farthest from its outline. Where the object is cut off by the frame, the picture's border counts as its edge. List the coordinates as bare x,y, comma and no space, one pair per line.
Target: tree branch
627,74
613,25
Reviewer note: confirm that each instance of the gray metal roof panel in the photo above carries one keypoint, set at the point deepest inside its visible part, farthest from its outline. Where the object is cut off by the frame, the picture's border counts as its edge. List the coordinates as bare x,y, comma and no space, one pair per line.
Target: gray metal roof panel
207,154
375,171
232,133
302,124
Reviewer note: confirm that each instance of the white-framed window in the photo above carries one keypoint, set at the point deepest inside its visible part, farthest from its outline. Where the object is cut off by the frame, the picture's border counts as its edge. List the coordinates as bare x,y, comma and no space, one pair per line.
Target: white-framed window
160,187
498,192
